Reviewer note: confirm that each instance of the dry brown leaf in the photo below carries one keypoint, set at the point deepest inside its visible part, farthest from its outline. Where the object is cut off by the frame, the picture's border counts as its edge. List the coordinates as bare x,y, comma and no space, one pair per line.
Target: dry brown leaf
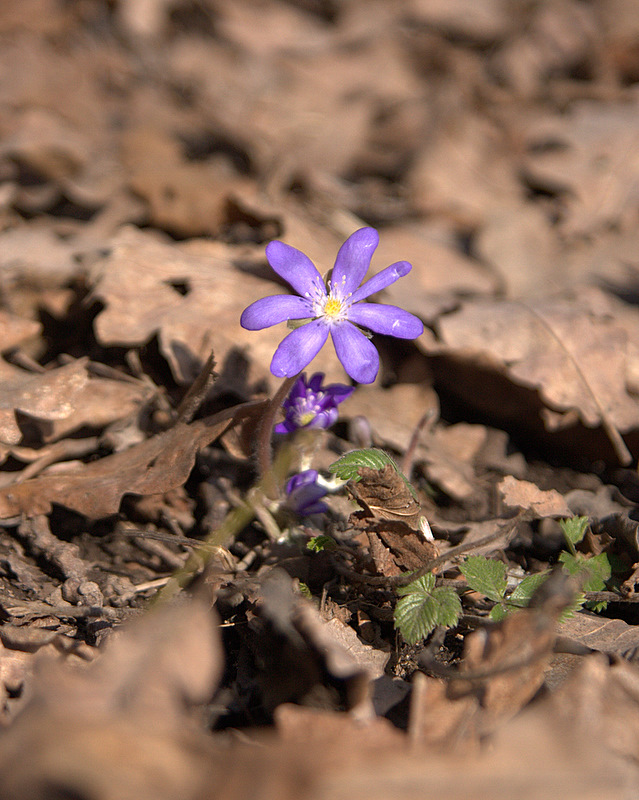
185,198
440,272
526,495
601,702
448,455
469,151
155,466
593,160
62,400
393,413
15,330
121,728
520,246
191,302
554,39
45,396
482,23
576,353
599,633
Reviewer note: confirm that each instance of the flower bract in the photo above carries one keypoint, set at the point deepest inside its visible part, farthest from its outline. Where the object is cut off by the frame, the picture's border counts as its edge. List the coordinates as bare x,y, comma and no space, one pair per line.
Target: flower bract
334,308
303,494
311,405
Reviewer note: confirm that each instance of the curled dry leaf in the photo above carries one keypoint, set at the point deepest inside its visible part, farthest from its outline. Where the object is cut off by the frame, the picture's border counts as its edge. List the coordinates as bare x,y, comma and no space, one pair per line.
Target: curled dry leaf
524,494
154,466
577,353
62,400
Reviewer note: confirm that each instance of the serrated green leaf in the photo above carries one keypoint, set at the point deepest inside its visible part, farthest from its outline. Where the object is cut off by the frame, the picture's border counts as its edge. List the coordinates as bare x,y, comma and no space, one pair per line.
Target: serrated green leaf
449,606
574,530
485,575
593,571
425,585
599,570
319,543
346,467
576,604
498,612
422,607
526,588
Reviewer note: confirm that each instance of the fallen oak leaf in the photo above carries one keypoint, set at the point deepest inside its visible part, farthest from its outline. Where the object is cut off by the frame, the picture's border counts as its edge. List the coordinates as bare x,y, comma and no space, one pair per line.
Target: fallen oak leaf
154,466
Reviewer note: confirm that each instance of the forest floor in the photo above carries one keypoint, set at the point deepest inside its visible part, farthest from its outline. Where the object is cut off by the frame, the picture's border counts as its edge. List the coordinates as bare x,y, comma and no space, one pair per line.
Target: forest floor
170,627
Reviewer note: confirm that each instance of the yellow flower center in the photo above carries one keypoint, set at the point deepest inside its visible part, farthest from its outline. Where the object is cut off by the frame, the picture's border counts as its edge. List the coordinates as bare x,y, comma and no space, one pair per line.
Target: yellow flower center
332,307
307,418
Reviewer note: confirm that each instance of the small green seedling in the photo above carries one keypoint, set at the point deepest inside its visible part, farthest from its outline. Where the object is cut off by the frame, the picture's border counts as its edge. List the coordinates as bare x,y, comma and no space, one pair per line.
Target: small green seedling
488,576
423,606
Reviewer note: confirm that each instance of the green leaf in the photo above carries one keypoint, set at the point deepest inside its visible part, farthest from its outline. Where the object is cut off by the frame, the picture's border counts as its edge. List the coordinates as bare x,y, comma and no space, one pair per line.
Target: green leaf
594,571
305,591
574,530
499,612
526,588
485,575
346,467
319,543
422,607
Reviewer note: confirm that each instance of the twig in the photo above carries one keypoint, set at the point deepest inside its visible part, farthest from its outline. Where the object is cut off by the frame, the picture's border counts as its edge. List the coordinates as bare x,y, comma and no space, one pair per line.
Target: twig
194,398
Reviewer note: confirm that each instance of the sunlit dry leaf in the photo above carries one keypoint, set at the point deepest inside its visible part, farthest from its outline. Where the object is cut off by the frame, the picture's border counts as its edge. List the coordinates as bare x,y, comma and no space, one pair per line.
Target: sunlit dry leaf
576,353
47,396
62,400
192,303
524,494
186,198
599,633
157,465
14,330
594,164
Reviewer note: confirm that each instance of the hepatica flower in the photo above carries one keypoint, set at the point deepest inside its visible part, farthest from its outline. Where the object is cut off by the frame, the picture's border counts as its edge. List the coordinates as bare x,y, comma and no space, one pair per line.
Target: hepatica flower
311,405
303,494
334,308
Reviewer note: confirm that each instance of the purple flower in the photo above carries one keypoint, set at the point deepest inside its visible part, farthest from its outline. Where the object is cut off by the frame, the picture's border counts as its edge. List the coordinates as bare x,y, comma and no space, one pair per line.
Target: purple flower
303,494
311,405
334,308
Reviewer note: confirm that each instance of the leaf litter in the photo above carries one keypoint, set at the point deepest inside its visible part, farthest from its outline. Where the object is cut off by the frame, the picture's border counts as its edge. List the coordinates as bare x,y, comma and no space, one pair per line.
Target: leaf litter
169,629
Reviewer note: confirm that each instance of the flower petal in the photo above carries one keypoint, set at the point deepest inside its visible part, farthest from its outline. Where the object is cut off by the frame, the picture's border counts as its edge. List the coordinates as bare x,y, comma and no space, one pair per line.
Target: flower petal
298,349
315,383
353,260
272,310
390,320
337,392
356,353
296,268
381,280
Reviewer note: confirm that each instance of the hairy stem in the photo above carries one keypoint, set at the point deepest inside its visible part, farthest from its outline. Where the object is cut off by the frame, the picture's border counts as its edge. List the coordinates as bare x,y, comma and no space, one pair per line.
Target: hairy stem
265,432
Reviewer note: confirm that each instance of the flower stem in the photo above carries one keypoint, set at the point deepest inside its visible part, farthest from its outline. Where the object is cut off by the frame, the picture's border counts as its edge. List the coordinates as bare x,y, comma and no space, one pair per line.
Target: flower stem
265,432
